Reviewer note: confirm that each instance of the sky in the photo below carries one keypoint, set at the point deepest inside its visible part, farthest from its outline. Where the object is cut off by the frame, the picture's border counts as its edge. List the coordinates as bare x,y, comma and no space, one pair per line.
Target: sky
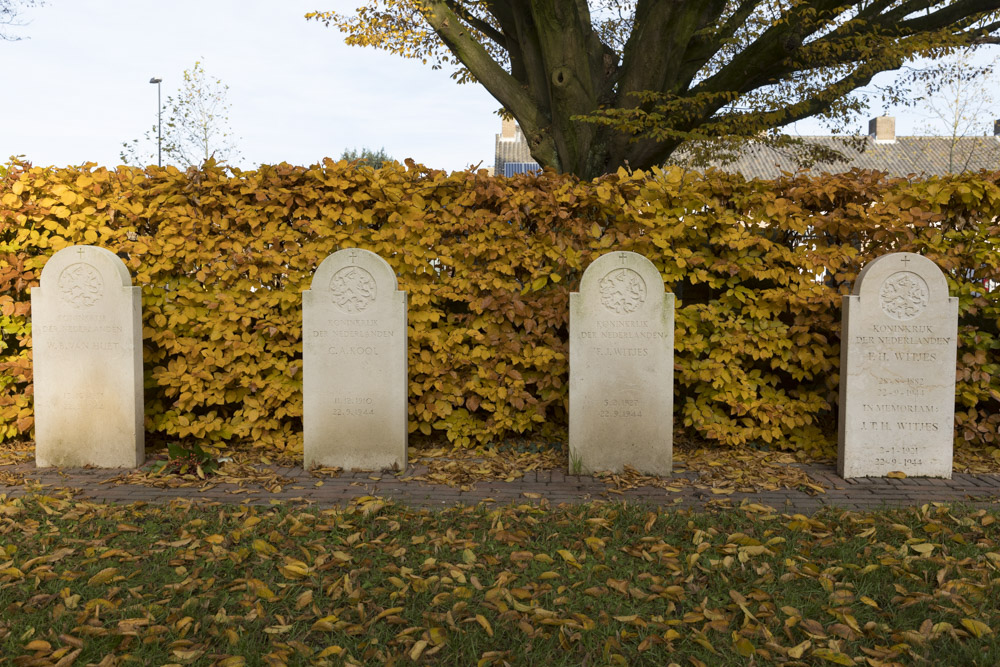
77,86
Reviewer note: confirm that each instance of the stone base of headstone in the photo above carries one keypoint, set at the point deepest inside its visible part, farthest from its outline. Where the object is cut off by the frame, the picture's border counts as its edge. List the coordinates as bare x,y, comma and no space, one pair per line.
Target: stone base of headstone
354,365
897,371
621,368
86,332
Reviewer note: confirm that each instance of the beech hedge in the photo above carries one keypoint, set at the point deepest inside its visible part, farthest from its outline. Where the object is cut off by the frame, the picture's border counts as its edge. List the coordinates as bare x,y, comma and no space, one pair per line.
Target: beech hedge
758,267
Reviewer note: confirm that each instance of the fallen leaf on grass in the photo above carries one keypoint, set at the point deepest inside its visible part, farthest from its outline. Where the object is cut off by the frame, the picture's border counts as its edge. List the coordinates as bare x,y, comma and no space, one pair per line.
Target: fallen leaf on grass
977,628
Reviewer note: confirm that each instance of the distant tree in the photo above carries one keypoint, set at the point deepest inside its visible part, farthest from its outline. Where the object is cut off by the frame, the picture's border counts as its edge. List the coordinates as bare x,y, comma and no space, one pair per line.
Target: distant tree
10,16
195,126
600,84
367,157
960,102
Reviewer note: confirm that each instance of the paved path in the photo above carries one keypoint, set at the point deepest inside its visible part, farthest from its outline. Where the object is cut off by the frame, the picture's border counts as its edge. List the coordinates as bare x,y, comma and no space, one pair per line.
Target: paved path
551,486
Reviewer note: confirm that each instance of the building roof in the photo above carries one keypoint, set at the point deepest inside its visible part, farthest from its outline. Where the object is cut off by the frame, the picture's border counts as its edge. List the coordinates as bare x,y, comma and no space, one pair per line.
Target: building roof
881,150
926,156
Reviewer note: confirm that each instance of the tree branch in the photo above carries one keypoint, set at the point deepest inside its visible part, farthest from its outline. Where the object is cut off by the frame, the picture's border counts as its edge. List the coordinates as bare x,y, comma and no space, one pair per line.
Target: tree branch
702,48
476,22
661,33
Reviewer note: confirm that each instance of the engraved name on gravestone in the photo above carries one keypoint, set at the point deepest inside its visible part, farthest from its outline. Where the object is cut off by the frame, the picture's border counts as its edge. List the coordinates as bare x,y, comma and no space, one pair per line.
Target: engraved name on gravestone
897,371
621,368
354,365
87,347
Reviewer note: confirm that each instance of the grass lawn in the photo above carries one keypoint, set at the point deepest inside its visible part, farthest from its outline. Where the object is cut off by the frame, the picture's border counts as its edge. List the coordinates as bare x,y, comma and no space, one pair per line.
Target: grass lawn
599,584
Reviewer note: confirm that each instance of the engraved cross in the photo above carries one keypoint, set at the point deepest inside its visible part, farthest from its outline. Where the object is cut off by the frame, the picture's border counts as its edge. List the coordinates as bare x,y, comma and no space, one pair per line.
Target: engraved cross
79,251
623,257
354,255
904,260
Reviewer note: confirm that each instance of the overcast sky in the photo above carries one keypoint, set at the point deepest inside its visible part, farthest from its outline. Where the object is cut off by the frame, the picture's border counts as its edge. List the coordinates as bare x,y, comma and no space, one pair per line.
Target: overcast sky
78,86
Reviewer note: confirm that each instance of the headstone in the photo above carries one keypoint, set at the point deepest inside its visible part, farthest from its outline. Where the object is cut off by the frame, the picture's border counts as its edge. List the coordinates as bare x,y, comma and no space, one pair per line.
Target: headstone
86,329
354,365
621,368
897,371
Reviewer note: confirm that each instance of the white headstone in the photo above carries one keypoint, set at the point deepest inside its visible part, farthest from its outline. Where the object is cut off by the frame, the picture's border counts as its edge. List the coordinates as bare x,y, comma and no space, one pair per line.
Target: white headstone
621,368
897,371
86,330
354,365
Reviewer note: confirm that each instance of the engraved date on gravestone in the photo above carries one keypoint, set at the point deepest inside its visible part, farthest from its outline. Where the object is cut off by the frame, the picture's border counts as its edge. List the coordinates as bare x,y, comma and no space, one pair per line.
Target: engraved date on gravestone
902,387
903,295
621,408
352,289
80,285
353,406
897,461
622,291
899,456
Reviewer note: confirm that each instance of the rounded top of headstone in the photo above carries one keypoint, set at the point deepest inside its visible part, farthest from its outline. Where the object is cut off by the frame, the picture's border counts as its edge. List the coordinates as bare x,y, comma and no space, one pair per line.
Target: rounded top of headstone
81,273
355,278
625,282
903,284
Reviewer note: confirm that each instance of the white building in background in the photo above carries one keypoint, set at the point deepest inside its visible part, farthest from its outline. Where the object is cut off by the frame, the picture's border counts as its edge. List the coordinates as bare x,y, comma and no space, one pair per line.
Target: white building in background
512,154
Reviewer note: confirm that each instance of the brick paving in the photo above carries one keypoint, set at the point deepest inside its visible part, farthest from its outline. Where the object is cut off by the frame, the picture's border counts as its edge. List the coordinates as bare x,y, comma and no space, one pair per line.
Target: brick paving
552,487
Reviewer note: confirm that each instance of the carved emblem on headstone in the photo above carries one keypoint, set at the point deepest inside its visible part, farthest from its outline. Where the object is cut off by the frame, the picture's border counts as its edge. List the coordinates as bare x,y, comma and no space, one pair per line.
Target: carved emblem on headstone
903,295
80,285
622,291
352,289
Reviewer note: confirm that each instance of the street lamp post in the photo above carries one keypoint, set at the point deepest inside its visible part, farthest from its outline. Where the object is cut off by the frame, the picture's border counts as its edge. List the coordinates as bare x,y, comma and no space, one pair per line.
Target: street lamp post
159,123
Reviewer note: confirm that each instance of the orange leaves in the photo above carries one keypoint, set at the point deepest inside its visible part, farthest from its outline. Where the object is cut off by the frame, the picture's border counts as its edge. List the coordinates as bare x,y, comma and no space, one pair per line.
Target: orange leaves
758,269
